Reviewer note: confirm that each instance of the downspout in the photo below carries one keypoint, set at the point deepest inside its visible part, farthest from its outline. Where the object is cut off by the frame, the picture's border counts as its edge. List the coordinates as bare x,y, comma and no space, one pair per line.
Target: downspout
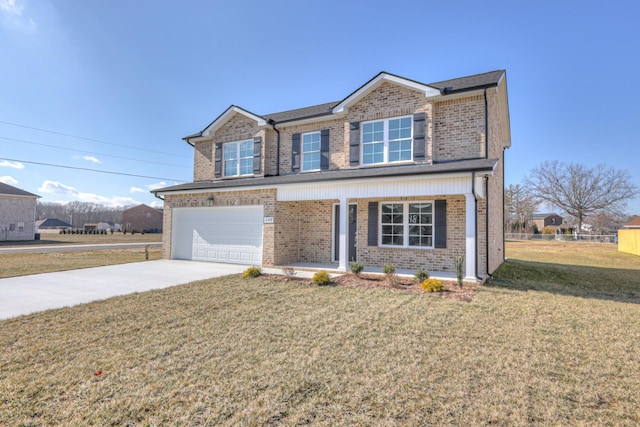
486,222
486,125
273,125
475,198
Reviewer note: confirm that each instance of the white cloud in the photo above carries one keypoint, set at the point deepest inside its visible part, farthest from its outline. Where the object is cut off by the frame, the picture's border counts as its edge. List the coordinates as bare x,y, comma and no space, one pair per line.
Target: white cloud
91,159
157,185
137,190
10,164
11,6
55,187
8,180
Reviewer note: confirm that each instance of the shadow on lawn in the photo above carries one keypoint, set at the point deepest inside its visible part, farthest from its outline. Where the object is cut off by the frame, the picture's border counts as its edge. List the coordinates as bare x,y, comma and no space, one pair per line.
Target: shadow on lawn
614,284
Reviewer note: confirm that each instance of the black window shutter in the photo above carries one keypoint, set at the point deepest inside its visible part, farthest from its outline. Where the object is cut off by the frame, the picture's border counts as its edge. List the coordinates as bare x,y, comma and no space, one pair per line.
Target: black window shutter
440,229
354,143
324,149
419,120
295,152
372,225
257,154
218,163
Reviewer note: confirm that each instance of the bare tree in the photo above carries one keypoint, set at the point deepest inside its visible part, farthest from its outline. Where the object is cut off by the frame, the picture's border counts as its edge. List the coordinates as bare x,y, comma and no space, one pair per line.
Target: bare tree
581,191
519,207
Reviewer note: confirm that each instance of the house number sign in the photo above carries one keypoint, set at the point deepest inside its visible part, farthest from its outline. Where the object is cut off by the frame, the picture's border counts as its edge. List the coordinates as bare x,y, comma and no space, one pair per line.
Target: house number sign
268,220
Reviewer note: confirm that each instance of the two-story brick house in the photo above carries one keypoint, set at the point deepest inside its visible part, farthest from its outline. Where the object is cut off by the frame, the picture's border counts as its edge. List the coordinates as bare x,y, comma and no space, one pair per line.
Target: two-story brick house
397,172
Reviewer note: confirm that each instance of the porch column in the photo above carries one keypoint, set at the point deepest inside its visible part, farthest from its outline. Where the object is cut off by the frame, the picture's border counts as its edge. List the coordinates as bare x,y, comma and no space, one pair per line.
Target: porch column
471,244
344,252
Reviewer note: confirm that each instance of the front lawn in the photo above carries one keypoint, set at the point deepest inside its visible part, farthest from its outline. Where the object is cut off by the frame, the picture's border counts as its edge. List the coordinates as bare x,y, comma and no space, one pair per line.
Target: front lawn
531,348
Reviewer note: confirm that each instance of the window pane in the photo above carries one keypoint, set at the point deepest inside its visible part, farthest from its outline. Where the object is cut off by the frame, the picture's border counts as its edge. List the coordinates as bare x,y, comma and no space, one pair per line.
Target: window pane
231,168
392,225
246,166
311,161
246,149
373,153
230,151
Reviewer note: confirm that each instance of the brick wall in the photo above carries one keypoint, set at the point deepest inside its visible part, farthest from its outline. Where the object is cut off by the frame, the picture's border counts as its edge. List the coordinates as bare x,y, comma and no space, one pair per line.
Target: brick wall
142,218
432,259
14,210
459,129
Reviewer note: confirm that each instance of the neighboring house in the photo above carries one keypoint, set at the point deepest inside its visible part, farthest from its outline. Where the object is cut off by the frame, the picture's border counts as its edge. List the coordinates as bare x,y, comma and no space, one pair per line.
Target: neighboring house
142,218
629,237
52,224
17,213
542,220
397,172
634,224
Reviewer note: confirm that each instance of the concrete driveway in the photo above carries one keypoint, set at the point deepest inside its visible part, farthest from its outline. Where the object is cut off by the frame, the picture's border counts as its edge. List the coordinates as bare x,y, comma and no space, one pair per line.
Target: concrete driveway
29,294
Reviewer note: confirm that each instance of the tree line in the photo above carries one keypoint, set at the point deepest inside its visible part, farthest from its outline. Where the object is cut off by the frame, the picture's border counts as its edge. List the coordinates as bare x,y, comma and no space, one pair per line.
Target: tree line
79,213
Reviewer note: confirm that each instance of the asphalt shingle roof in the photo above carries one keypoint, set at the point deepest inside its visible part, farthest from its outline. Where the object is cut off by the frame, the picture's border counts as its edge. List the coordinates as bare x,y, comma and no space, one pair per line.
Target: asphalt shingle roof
7,189
478,165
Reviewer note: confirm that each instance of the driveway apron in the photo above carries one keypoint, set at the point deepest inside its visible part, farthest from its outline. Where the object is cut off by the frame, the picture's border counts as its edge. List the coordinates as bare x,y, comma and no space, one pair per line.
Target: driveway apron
38,292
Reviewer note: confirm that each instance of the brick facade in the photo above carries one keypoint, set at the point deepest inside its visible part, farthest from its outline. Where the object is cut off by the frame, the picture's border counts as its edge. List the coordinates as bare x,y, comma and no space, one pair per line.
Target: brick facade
142,218
17,211
302,231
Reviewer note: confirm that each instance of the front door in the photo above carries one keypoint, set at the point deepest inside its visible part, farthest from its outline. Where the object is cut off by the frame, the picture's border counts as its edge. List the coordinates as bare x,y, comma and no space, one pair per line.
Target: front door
352,244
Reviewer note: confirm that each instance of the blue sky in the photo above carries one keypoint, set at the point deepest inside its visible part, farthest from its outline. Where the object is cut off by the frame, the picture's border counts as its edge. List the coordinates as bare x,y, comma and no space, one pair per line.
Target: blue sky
115,85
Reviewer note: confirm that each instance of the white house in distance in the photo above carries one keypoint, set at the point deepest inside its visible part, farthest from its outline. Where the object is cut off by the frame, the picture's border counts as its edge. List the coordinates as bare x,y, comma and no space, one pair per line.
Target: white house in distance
17,213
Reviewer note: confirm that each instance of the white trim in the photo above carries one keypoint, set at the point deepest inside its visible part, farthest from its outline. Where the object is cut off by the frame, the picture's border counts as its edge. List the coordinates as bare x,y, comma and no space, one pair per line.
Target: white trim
302,169
405,223
226,116
385,141
377,81
441,184
237,159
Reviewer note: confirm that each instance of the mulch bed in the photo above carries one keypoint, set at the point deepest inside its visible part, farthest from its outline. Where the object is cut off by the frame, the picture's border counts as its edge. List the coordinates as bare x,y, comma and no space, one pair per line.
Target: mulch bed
403,284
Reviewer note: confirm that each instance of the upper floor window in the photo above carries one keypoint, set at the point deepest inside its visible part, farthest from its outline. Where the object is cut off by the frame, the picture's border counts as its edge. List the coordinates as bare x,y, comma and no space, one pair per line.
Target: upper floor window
238,158
311,151
387,141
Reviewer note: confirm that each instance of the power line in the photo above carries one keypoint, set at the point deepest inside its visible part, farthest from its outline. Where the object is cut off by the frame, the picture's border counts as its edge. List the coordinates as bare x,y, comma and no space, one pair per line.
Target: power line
89,152
89,139
91,170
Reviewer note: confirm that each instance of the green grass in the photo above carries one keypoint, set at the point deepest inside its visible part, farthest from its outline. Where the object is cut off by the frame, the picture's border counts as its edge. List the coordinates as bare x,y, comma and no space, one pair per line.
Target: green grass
543,344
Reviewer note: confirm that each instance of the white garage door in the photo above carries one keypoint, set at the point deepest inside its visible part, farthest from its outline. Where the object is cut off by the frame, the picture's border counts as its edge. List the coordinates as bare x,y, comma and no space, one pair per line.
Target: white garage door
231,234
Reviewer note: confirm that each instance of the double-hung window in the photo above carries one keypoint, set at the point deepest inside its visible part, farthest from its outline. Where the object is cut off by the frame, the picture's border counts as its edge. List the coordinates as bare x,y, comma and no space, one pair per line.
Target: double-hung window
311,151
238,158
387,141
406,224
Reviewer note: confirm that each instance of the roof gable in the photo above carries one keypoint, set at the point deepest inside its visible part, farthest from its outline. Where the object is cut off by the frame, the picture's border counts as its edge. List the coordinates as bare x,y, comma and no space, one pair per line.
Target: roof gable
372,84
224,118
634,223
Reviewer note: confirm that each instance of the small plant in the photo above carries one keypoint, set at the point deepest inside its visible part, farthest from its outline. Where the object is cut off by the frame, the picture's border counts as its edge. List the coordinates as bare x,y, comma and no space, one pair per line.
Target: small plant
421,275
356,268
289,272
389,270
146,252
432,285
252,271
459,263
321,278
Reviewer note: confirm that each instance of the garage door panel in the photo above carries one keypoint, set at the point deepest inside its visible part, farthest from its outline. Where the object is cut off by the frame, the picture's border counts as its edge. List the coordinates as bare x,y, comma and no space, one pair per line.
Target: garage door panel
221,234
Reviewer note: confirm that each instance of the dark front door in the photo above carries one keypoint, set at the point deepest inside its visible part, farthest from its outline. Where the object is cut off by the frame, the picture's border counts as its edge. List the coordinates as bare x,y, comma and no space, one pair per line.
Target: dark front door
353,229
